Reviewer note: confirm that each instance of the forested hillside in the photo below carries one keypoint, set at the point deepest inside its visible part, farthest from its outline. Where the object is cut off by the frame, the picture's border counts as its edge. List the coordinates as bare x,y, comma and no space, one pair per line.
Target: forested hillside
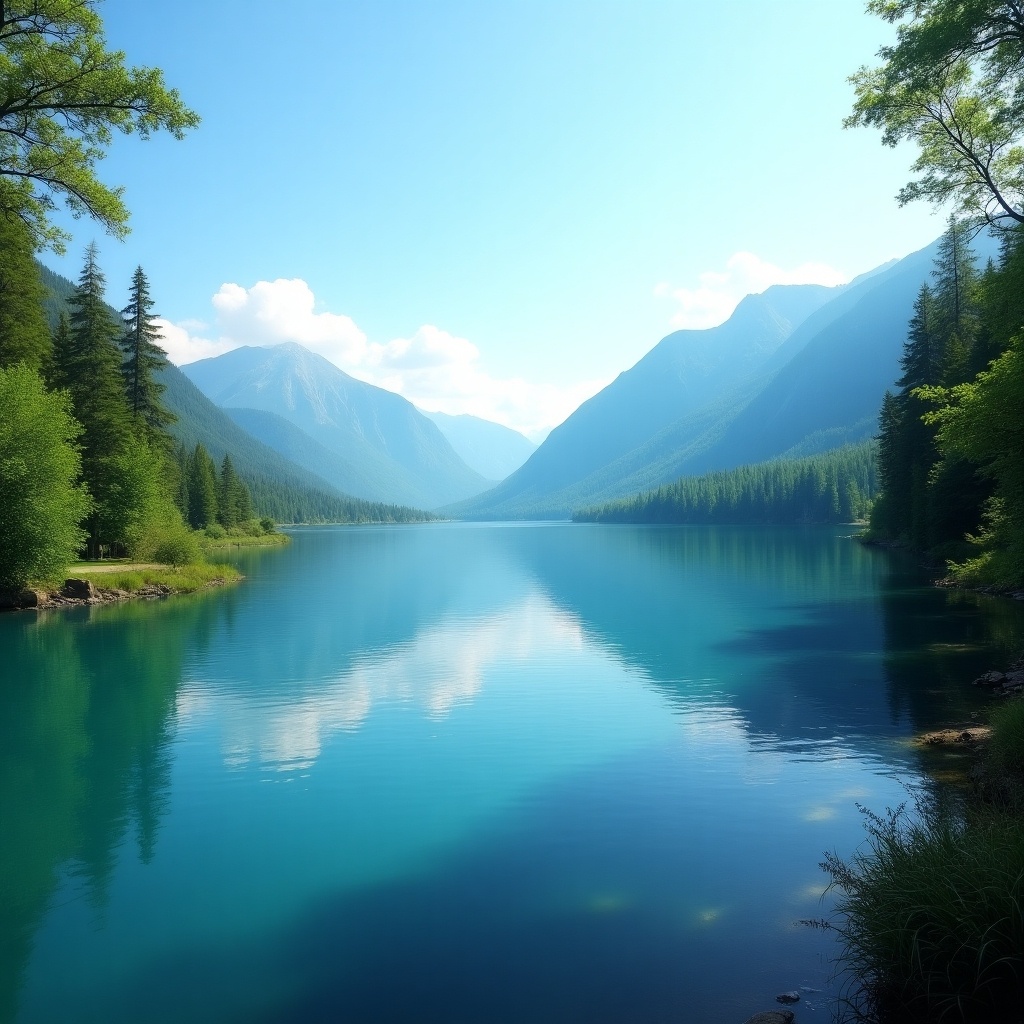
836,487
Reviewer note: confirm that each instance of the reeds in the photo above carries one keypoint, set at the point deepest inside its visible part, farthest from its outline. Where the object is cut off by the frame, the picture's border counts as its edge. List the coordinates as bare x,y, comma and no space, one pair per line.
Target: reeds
930,917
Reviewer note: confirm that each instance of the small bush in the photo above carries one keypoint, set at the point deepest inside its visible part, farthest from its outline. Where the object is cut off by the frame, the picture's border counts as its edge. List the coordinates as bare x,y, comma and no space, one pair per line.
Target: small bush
180,547
267,525
215,531
931,917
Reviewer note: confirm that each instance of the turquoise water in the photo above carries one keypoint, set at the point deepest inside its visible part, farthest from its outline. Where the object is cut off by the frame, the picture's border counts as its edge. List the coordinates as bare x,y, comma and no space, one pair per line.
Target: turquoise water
464,773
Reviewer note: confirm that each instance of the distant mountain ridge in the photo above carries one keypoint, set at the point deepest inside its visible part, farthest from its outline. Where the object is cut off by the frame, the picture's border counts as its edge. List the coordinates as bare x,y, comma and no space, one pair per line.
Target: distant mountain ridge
796,370
491,449
382,448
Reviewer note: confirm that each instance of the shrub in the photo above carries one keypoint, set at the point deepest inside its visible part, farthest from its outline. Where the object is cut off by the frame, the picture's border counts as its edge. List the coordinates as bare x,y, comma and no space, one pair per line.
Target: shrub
267,525
215,531
177,548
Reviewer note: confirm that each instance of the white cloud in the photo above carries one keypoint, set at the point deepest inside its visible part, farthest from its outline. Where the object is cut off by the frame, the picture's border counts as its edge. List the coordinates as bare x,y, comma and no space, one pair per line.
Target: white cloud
717,293
183,346
432,368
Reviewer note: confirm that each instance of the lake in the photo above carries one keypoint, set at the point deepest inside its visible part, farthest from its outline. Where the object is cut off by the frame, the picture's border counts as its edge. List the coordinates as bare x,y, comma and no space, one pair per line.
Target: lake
466,773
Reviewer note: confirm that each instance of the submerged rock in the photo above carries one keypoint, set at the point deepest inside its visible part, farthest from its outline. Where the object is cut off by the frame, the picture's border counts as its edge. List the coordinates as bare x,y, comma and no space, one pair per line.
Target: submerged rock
772,1017
788,997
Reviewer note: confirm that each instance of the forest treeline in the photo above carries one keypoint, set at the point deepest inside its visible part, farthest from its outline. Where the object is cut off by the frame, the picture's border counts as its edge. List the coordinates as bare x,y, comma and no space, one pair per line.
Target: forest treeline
951,435
835,487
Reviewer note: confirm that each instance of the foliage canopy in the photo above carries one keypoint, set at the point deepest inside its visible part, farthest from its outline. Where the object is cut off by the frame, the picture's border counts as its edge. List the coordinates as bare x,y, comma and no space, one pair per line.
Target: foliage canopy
952,83
41,504
62,96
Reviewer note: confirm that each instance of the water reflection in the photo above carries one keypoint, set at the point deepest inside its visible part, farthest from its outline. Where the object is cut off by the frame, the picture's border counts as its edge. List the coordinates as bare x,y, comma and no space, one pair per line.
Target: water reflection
439,669
463,706
86,717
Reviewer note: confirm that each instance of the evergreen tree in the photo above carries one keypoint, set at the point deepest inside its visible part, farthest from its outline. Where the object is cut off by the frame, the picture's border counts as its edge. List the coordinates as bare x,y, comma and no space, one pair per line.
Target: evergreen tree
24,332
202,489
91,368
956,306
234,505
61,356
143,360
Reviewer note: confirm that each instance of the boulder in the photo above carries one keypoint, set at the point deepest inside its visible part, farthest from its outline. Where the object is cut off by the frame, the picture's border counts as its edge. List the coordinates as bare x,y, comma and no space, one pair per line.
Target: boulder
772,1017
788,997
79,590
990,679
19,597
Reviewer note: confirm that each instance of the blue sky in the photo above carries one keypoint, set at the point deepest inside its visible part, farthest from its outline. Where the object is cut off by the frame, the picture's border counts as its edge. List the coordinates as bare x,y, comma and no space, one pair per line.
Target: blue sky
495,206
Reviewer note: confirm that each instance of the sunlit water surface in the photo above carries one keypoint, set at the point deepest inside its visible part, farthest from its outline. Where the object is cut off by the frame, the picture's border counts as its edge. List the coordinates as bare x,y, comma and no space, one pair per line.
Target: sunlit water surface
465,773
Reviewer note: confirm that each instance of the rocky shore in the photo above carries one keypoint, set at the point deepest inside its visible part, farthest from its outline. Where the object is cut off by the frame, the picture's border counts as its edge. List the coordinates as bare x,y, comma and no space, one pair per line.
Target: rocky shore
76,592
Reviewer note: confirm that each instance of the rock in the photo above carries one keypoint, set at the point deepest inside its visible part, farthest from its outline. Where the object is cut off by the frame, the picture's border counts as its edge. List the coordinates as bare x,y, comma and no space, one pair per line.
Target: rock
990,679
1013,680
19,597
80,590
788,997
772,1017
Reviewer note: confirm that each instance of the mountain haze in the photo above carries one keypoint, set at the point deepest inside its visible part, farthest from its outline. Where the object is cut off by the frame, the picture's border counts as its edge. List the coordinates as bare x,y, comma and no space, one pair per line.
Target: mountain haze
491,449
680,376
759,386
382,447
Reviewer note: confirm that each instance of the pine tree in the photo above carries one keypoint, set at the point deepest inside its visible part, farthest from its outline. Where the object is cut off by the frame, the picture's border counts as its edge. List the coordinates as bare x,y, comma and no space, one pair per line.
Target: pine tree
202,489
957,294
234,504
143,360
90,366
24,332
61,356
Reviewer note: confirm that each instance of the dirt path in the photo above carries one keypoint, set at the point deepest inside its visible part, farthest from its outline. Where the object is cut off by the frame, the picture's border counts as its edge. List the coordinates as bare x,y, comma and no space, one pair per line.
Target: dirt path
90,568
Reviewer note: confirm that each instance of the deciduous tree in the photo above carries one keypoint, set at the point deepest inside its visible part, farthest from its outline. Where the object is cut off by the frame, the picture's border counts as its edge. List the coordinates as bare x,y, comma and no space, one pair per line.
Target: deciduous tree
41,501
24,332
952,84
63,94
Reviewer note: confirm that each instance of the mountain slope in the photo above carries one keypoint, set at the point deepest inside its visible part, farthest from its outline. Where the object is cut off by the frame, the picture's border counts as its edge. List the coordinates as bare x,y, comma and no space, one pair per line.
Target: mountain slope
385,449
682,374
492,450
819,388
279,488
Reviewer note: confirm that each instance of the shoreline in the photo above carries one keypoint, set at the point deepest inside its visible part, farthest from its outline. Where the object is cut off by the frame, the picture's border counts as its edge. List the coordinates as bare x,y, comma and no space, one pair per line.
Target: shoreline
77,592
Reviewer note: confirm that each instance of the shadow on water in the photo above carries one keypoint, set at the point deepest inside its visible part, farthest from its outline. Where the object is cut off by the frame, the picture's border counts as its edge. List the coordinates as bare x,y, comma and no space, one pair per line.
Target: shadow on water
808,631
493,935
86,713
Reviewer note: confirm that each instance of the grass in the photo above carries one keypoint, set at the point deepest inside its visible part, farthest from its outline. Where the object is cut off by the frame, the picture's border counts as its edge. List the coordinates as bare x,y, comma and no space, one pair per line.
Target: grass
1006,749
930,912
183,579
246,541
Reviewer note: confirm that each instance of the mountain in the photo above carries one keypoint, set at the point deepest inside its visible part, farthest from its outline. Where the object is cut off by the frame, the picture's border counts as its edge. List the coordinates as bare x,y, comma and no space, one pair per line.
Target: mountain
383,448
280,489
492,450
680,376
812,383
